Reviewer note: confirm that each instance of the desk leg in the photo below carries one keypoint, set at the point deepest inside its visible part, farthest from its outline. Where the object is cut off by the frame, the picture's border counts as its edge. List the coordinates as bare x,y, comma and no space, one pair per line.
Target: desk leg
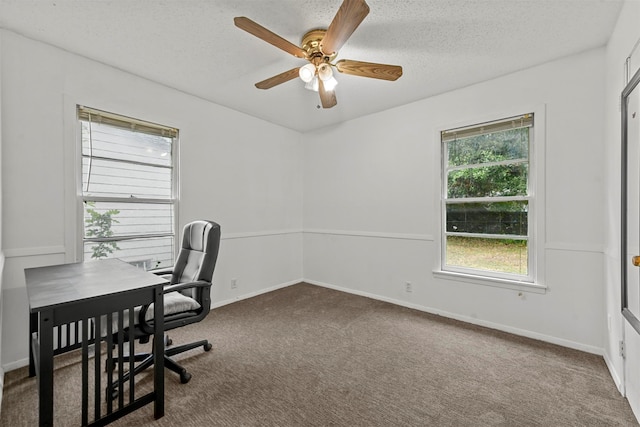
33,328
158,352
45,371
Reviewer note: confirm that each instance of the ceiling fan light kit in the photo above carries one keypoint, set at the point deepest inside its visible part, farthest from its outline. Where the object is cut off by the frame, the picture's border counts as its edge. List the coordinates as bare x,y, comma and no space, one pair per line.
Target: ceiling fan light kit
320,47
313,84
307,72
325,72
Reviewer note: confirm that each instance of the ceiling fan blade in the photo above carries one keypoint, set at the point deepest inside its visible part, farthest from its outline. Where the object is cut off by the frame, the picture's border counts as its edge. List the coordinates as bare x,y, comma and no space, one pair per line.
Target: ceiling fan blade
259,31
327,97
347,19
278,79
369,69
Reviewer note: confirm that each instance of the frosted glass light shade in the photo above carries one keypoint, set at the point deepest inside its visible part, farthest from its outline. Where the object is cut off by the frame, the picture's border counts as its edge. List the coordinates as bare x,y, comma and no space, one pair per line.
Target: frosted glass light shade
330,83
325,72
307,72
312,84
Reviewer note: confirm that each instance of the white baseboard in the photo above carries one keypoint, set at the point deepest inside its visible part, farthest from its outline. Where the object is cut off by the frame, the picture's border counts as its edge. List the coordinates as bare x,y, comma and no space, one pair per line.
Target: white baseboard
614,374
516,331
254,294
14,365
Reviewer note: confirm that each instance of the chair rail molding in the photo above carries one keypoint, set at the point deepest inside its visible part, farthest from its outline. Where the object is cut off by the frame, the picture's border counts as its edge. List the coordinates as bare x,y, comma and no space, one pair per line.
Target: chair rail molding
253,234
372,234
34,251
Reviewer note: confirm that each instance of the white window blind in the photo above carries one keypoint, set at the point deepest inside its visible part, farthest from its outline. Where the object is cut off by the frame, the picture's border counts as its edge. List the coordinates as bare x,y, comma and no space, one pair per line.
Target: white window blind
128,188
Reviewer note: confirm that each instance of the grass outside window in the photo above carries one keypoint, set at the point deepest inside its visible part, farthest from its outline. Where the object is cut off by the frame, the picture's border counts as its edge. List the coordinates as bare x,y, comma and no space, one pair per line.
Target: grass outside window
499,255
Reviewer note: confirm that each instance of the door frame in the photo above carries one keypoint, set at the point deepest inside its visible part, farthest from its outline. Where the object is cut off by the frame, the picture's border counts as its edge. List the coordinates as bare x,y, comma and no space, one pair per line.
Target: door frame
628,314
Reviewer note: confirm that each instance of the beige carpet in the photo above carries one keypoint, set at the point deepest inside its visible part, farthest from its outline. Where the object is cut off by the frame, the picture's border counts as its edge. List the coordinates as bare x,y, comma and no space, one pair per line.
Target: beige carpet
309,356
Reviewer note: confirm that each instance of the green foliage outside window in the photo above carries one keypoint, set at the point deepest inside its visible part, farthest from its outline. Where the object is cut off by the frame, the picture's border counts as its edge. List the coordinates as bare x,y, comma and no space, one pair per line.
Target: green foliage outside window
98,225
494,180
490,147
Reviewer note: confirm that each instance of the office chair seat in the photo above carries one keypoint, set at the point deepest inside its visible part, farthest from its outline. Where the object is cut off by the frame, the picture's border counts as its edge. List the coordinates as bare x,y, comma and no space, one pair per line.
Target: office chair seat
186,299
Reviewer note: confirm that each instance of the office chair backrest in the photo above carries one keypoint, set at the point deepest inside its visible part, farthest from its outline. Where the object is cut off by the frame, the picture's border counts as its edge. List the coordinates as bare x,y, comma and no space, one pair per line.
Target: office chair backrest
198,253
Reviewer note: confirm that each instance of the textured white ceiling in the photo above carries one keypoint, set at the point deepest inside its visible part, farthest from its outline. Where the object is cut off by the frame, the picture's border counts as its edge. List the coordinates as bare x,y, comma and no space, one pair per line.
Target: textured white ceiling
193,45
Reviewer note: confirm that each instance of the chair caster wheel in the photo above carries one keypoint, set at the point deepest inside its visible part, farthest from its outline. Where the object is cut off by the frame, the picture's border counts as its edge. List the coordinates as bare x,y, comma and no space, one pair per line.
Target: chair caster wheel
207,347
168,342
185,377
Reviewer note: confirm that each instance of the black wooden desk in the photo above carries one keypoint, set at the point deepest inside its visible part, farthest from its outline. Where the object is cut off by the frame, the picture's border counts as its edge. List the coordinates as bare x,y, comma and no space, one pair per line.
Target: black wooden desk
95,298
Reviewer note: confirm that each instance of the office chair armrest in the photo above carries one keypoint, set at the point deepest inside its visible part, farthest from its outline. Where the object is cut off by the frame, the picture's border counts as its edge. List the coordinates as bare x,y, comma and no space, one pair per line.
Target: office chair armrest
162,271
187,285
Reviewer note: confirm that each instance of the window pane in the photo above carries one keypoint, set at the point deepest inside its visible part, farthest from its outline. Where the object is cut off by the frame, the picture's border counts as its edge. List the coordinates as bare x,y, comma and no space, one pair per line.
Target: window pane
505,256
492,147
143,253
488,218
488,181
118,179
123,144
108,219
125,160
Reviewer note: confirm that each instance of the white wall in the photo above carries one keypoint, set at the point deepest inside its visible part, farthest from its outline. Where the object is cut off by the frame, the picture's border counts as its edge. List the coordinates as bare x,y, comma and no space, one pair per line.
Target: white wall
371,211
625,35
371,190
237,170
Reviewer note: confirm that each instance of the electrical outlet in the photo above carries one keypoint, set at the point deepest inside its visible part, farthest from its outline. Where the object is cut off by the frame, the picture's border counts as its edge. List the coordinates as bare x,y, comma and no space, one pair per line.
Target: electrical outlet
408,287
234,283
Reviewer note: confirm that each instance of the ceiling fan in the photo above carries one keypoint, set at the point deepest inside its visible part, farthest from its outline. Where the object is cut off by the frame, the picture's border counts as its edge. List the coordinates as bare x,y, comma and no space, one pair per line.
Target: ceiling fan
320,47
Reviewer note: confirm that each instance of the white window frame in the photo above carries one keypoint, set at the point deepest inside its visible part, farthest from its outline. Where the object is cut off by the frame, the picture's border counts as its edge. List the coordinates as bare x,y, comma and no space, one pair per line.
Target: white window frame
534,281
81,198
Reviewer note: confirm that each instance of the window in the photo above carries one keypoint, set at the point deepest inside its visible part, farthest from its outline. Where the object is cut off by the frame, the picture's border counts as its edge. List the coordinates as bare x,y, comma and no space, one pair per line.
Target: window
487,199
128,189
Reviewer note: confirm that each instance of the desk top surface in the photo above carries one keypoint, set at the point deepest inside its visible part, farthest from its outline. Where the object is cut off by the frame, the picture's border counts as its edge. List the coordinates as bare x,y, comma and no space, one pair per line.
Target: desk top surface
67,283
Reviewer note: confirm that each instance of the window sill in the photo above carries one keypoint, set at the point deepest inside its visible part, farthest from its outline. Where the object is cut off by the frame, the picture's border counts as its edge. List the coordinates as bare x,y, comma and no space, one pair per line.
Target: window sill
491,281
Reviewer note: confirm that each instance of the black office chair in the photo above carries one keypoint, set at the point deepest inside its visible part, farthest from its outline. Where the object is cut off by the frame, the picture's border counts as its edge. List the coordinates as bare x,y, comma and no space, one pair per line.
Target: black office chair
186,299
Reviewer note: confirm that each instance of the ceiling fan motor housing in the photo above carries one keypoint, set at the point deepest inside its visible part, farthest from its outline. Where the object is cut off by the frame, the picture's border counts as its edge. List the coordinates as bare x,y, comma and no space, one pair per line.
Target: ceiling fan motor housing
312,44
